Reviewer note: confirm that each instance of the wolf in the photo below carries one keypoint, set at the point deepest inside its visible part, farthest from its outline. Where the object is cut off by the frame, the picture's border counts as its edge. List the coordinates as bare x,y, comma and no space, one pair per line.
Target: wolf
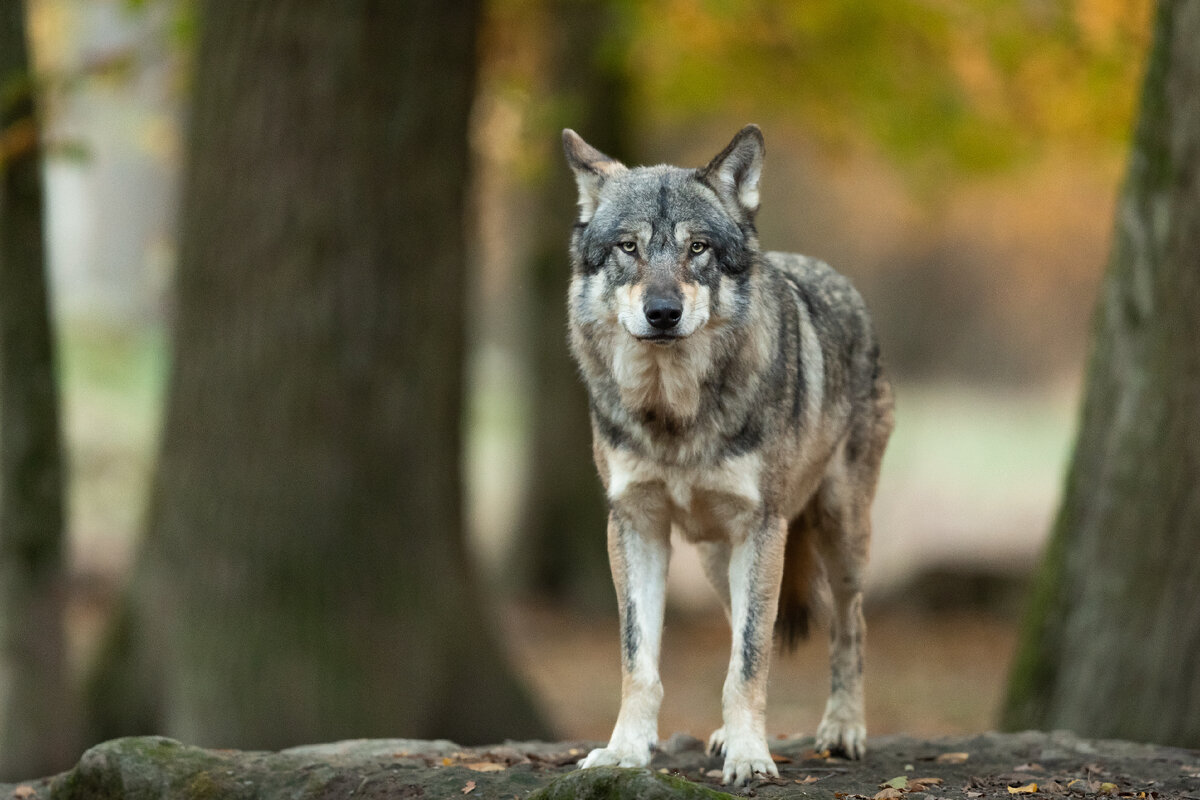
736,396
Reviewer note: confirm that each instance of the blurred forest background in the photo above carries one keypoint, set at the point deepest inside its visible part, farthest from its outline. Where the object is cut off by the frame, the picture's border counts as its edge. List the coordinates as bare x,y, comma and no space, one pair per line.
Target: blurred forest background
960,161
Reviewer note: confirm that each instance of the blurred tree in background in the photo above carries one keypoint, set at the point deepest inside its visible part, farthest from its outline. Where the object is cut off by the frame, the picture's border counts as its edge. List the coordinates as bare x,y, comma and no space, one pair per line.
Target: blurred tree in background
1112,642
38,730
560,552
304,576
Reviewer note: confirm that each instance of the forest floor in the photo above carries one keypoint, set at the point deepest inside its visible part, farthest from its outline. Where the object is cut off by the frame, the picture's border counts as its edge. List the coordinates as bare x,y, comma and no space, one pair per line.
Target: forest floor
990,765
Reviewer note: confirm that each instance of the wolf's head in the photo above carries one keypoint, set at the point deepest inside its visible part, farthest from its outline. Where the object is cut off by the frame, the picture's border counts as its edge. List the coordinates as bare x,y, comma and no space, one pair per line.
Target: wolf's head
664,251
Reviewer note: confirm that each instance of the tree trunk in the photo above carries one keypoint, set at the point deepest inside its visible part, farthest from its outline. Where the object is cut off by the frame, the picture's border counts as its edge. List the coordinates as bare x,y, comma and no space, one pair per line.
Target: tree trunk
306,575
37,730
561,552
1112,642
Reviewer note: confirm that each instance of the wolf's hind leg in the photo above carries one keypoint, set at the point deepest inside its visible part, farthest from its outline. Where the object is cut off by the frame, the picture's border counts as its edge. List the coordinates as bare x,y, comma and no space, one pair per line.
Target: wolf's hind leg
714,557
843,541
639,557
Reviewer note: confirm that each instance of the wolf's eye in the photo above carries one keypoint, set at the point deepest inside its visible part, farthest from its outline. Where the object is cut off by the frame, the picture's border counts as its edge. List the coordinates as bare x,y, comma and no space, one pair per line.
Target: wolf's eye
629,247
698,247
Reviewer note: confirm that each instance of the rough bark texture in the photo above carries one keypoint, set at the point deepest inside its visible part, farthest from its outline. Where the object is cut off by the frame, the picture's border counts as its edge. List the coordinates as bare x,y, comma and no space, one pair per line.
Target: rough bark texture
561,553
36,734
1113,638
305,576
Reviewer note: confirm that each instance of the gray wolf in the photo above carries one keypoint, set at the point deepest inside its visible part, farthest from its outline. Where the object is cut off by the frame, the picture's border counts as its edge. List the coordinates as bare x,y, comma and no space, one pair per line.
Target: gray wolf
736,396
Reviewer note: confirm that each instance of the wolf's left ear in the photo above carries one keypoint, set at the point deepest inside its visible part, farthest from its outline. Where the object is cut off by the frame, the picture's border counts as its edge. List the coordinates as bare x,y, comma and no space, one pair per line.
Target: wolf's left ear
734,173
591,167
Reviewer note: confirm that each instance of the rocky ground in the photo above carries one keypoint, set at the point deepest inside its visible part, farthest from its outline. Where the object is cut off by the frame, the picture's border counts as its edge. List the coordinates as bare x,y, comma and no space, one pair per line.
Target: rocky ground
989,765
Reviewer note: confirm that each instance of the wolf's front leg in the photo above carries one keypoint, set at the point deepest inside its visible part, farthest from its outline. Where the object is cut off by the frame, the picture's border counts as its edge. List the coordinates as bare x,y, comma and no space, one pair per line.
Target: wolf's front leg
638,555
755,569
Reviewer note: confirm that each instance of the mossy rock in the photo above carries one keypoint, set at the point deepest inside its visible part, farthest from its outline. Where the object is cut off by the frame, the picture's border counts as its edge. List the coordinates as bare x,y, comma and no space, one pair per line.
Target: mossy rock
624,783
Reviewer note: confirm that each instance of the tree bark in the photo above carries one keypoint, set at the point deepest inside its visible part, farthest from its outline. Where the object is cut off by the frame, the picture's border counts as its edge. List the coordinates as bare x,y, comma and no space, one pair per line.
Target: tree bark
306,576
1112,642
37,735
561,553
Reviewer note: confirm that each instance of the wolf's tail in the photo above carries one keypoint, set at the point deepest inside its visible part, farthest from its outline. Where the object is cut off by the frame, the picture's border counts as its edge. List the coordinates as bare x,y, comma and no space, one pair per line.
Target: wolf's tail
799,591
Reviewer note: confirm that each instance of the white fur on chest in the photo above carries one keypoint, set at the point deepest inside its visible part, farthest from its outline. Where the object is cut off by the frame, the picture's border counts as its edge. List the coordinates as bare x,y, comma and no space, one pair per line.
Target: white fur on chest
668,377
705,503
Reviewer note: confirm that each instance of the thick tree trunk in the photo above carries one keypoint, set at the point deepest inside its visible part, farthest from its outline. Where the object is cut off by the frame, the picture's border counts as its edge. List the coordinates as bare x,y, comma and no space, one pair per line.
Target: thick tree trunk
37,730
1112,643
561,552
306,571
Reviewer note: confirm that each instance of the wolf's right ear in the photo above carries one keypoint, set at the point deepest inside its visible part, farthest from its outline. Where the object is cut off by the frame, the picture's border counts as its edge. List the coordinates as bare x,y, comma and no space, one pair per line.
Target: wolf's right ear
591,168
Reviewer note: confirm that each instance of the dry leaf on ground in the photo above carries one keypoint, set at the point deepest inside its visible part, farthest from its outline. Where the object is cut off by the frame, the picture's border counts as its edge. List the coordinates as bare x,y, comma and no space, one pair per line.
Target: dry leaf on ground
1029,788
921,784
470,787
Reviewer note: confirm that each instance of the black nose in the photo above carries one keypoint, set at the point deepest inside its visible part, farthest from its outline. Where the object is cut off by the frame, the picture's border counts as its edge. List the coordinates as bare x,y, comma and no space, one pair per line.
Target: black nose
663,312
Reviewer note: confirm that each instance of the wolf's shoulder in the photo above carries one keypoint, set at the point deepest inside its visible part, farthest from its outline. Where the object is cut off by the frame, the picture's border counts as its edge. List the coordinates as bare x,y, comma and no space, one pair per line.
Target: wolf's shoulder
817,281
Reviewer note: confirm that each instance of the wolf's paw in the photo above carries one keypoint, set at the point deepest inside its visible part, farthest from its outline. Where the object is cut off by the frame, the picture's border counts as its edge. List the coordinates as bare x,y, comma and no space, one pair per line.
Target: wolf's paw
842,736
745,759
617,756
716,742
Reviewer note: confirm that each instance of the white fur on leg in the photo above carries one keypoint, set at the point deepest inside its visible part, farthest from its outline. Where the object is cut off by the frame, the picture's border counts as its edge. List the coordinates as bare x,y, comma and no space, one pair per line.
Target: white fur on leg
636,731
842,728
643,575
635,734
746,754
755,565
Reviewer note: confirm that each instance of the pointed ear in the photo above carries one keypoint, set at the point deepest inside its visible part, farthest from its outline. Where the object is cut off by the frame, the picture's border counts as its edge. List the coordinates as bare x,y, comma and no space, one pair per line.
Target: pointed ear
734,173
592,168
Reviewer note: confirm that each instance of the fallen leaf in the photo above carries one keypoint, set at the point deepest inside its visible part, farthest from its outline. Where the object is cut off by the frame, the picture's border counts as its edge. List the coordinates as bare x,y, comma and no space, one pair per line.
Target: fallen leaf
447,762
714,773
778,759
890,793
900,782
23,792
470,787
1031,767
1108,788
974,794
485,766
811,755
921,784
808,779
1029,788
952,758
